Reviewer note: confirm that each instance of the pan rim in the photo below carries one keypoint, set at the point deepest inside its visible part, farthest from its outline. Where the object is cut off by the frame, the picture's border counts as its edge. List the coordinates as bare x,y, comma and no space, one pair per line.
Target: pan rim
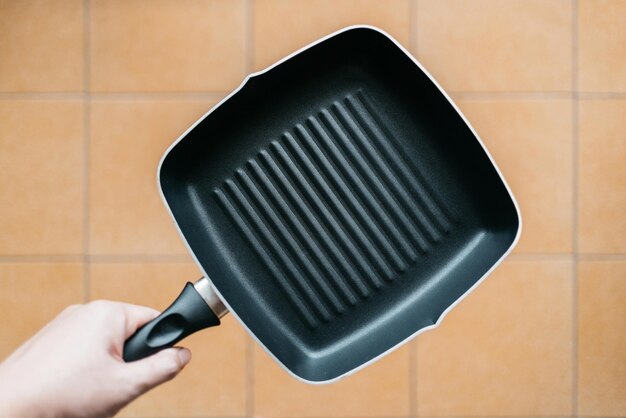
441,317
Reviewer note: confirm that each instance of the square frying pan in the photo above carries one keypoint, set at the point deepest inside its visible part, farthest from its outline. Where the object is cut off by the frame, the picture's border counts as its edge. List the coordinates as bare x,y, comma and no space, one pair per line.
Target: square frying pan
338,203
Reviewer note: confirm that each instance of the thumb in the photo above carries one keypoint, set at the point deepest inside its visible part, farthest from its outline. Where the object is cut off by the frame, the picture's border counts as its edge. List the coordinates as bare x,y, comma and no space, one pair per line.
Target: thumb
158,368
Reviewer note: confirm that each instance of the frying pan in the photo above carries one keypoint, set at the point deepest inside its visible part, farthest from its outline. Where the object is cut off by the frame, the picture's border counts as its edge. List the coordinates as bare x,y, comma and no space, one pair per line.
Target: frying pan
338,203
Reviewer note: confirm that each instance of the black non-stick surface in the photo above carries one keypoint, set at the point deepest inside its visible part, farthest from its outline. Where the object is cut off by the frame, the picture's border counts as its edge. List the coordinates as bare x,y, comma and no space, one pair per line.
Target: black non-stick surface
339,203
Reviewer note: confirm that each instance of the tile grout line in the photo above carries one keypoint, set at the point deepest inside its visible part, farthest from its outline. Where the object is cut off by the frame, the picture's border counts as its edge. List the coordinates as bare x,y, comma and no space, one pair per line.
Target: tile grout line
444,416
184,258
530,257
112,96
86,146
575,144
249,377
217,94
413,378
600,95
511,95
413,27
30,259
192,416
96,258
155,95
601,257
140,258
506,416
249,36
56,96
249,63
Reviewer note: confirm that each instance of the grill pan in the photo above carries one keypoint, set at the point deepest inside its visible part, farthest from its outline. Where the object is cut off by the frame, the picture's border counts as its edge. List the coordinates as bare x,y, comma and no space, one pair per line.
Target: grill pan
337,202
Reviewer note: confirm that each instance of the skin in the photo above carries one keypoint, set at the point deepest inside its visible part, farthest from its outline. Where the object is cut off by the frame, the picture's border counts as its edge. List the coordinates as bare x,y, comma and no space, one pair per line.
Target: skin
73,366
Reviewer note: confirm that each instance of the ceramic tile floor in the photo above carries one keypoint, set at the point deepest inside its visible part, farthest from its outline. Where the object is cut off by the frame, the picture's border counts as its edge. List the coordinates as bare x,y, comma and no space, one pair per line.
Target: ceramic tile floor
92,92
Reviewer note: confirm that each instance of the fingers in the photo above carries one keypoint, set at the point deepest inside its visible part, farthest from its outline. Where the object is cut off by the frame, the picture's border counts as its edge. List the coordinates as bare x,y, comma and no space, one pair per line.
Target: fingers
128,316
136,316
156,369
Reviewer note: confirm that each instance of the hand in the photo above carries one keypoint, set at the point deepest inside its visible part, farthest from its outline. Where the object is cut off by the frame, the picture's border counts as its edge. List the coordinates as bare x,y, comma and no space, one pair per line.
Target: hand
73,367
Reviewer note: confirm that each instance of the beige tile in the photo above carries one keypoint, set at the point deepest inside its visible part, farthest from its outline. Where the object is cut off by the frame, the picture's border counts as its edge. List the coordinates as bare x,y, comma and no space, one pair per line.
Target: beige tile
380,390
41,45
167,45
41,177
601,338
531,141
128,140
602,177
504,351
283,26
33,294
602,45
213,384
490,45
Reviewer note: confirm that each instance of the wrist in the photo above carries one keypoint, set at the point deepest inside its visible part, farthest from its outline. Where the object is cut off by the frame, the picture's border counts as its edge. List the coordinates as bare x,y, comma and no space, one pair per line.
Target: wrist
13,408
14,405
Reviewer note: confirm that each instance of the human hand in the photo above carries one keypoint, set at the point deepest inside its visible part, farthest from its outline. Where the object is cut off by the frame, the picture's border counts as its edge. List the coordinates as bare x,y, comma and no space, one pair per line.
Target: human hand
73,366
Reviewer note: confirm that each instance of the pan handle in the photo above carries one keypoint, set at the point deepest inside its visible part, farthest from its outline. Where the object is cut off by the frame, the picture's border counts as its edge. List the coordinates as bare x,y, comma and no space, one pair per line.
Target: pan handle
197,307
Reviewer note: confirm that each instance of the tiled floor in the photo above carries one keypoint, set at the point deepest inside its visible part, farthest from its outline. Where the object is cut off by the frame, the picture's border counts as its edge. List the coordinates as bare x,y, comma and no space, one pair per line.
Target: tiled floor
509,346
92,92
127,139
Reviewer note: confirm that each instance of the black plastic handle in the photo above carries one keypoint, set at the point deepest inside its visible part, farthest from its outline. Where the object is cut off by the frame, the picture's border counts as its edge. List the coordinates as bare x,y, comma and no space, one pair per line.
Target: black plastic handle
187,314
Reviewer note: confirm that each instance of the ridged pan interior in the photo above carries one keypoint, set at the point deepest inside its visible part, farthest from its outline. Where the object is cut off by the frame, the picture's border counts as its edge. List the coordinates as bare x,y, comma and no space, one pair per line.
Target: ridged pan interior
334,210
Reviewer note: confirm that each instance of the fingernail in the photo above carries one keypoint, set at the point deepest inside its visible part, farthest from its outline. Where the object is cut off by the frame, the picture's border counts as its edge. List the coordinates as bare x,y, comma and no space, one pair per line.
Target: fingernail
184,355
